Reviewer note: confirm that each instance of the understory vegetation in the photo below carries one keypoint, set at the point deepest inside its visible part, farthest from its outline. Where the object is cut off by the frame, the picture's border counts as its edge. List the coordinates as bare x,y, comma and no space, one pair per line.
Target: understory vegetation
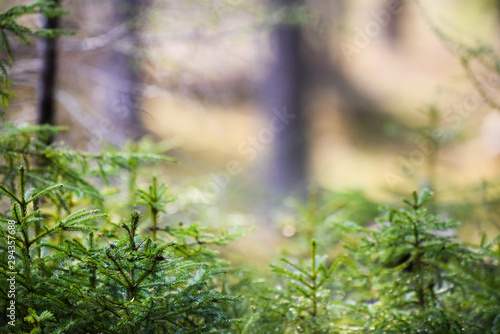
77,270
85,249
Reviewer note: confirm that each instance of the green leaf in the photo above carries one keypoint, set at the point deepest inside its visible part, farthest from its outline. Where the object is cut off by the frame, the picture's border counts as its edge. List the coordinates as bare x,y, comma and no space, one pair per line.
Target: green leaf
16,212
9,193
81,216
43,192
424,196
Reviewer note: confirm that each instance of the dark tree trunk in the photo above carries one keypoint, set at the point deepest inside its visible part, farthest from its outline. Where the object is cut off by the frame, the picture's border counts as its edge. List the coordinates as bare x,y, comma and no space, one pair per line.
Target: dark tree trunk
284,95
48,76
396,9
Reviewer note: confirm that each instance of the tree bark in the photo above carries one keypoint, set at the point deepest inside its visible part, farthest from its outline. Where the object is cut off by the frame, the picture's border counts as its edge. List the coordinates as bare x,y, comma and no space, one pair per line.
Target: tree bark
122,67
283,93
48,76
393,31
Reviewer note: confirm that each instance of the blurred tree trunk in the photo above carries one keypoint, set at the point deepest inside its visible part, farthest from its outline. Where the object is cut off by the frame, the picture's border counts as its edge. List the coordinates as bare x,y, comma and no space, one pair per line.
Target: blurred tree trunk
393,30
122,86
48,75
283,101
368,121
301,65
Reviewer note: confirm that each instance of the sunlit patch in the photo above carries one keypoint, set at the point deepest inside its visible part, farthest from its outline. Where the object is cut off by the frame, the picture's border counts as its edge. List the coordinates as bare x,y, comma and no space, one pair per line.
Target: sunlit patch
288,231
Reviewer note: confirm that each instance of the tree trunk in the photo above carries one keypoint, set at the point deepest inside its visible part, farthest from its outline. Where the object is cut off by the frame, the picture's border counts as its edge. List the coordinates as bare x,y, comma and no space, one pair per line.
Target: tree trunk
122,67
48,76
283,95
393,31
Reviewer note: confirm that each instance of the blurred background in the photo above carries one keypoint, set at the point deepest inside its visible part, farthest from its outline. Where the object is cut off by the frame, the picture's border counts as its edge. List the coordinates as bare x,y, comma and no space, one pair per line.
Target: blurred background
263,101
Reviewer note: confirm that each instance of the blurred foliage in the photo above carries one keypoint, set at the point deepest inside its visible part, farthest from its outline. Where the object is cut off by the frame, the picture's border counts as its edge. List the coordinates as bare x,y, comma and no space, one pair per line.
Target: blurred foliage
78,270
10,28
408,274
316,219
